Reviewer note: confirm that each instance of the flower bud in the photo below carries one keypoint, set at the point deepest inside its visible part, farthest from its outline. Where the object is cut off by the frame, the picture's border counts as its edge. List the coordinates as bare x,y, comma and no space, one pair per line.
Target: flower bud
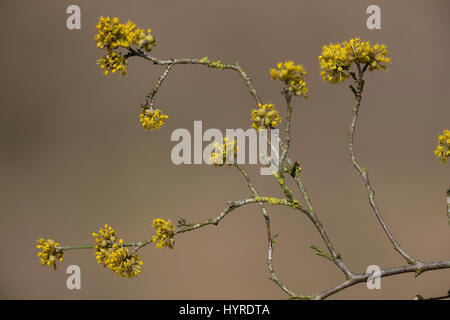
261,113
271,114
150,38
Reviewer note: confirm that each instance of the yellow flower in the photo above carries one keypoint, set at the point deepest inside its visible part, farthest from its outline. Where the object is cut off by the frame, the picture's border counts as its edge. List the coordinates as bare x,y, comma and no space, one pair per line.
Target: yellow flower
50,252
265,116
124,263
225,153
105,239
337,59
364,53
113,255
292,75
152,119
164,233
334,63
113,62
113,35
443,148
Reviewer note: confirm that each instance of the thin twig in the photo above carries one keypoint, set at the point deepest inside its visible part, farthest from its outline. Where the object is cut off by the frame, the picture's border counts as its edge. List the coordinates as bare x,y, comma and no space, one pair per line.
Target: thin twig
270,240
215,221
211,64
359,85
150,97
363,277
287,137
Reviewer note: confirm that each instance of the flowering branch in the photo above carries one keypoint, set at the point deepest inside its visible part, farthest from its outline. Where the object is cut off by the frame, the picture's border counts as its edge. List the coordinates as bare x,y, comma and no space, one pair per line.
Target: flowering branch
337,63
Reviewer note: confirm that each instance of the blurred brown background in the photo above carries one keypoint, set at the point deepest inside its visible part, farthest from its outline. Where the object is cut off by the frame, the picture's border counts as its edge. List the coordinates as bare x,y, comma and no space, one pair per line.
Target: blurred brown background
74,156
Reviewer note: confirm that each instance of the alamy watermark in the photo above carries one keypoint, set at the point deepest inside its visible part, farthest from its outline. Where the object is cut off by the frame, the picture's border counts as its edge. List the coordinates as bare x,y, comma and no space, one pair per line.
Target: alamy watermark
189,149
374,20
74,280
73,21
374,280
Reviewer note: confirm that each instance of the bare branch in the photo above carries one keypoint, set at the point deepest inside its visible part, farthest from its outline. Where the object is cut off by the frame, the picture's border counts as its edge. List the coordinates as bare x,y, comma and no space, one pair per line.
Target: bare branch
150,97
359,84
211,64
358,278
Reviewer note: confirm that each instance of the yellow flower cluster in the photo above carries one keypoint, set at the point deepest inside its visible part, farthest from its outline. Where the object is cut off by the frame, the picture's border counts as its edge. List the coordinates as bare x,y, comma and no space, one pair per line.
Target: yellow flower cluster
443,149
265,116
112,34
113,62
164,233
152,119
124,263
337,59
113,255
50,252
105,238
225,153
292,75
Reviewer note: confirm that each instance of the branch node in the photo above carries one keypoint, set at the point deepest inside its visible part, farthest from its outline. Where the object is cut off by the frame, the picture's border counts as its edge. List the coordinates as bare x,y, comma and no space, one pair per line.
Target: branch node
418,272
